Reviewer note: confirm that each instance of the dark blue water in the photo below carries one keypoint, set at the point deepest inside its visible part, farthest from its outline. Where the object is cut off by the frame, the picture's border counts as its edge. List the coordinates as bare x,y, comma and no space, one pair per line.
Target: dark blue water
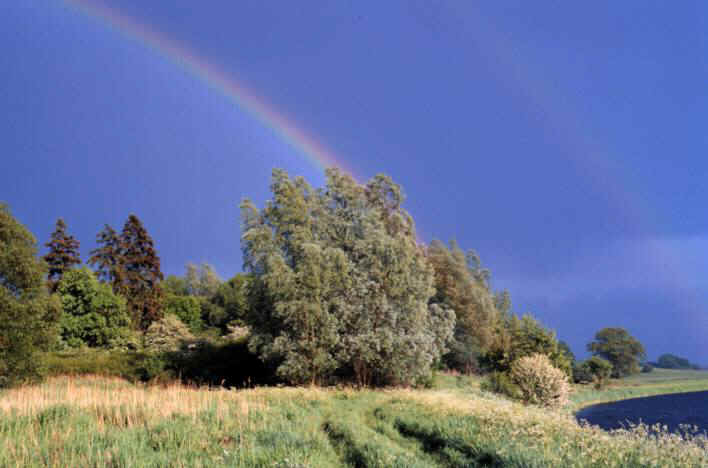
672,410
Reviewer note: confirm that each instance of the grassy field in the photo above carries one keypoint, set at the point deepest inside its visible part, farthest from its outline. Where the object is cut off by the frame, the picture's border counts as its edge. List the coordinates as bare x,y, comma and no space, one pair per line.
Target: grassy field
100,421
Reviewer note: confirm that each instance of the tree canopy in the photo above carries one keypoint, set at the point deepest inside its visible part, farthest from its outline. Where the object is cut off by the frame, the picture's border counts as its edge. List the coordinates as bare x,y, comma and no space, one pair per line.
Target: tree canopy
341,286
63,254
27,314
620,348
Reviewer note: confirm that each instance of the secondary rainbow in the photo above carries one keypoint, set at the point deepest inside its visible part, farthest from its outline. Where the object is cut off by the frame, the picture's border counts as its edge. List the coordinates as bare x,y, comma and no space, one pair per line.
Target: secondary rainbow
217,79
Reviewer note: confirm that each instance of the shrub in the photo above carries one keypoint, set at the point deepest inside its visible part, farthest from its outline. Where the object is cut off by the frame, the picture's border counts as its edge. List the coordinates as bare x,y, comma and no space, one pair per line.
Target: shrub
167,334
595,369
500,382
89,361
539,382
187,308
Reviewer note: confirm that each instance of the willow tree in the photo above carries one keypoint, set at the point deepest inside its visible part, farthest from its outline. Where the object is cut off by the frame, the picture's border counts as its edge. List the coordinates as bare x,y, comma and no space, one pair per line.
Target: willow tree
27,314
340,285
463,285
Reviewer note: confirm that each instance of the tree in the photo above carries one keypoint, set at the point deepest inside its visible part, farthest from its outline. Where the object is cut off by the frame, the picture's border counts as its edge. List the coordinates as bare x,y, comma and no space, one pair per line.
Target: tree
63,254
92,314
462,285
620,348
186,308
27,313
230,303
202,280
176,285
340,285
565,349
671,361
141,274
108,259
519,337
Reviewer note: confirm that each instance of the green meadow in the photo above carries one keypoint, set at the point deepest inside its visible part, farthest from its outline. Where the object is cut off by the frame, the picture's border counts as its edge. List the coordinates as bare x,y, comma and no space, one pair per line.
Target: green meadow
107,421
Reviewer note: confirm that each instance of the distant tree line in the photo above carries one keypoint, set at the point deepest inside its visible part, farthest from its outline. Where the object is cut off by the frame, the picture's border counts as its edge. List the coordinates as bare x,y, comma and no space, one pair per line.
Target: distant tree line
336,288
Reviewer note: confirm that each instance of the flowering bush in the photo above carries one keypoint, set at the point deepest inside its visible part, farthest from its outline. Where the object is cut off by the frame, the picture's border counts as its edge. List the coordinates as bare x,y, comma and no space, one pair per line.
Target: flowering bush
539,382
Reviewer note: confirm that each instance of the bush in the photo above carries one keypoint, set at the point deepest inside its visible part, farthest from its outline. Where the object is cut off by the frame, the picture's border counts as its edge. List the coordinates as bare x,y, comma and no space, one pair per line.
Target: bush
539,382
500,382
166,335
187,308
646,368
88,361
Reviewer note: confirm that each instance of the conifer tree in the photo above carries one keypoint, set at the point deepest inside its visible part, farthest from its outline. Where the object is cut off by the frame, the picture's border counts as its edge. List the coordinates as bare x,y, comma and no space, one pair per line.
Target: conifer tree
107,258
141,274
62,256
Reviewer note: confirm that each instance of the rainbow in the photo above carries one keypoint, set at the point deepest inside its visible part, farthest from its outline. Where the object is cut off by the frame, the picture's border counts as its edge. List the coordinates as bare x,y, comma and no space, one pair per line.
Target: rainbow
217,79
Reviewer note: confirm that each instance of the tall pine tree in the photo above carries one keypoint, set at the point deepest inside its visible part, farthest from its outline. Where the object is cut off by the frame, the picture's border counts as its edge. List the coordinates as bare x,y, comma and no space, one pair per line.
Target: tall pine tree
141,274
107,258
63,254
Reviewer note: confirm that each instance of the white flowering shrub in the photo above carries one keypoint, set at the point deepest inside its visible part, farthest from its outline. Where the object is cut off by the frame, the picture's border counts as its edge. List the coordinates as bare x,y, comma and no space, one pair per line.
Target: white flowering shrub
167,334
539,382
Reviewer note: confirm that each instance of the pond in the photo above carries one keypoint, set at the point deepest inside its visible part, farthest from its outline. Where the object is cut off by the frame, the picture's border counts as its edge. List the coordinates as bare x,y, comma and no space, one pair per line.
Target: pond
671,410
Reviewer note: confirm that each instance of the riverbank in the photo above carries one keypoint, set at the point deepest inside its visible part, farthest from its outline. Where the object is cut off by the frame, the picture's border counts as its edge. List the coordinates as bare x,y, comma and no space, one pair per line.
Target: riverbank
658,382
99,421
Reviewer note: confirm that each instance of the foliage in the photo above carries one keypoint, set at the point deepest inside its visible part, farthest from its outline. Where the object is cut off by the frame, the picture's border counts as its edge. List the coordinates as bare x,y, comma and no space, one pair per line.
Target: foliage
108,259
92,315
462,285
565,349
620,348
341,286
501,383
595,369
130,263
517,338
141,273
230,302
175,285
63,254
646,368
186,308
27,314
96,361
167,334
539,382
201,280
671,361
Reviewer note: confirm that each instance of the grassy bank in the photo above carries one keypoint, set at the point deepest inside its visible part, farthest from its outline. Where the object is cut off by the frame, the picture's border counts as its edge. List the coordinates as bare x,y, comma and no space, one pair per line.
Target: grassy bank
99,421
658,382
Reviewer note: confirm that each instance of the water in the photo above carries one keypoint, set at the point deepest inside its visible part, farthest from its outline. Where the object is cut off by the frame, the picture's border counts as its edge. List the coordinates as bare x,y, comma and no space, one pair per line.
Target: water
671,410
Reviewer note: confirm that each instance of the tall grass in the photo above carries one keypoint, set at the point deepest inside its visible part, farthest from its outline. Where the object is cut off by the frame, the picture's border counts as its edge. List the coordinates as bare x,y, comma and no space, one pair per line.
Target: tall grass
99,421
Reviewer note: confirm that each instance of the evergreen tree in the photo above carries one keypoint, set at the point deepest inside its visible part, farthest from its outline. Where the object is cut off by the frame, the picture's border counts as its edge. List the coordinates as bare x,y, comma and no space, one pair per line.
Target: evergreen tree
27,314
63,254
141,274
107,258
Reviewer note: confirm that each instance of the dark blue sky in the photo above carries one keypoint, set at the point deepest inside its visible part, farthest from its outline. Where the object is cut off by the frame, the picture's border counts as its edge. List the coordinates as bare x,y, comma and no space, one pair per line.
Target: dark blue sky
565,143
